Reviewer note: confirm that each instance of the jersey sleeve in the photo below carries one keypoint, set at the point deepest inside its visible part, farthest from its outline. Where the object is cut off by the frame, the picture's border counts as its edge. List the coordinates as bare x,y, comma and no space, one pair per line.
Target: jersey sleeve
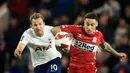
24,38
102,38
67,28
49,27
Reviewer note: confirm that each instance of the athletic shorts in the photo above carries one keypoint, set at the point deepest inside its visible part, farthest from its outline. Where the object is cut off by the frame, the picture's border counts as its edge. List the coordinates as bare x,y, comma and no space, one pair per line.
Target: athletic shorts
87,69
53,66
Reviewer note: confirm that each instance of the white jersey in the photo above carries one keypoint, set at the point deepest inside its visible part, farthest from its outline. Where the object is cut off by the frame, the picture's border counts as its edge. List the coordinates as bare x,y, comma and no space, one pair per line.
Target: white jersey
42,49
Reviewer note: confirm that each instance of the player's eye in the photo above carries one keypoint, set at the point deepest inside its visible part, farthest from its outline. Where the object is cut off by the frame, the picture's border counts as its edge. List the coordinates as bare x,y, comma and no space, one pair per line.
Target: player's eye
40,24
87,24
92,24
34,24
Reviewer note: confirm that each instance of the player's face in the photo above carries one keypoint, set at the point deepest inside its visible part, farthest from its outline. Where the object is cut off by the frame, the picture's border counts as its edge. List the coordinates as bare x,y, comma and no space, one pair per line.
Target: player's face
38,26
90,25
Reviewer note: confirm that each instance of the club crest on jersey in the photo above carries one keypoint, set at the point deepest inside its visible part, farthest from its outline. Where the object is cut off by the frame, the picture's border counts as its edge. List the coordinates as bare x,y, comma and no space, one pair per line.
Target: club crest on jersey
94,39
21,38
49,40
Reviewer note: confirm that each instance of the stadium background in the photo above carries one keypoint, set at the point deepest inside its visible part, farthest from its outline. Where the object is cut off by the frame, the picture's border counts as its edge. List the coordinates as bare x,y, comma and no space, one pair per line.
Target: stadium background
114,23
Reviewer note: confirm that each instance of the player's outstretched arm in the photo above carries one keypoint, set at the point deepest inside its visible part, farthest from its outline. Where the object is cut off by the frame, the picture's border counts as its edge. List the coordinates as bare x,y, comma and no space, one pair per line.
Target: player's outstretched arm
55,30
108,48
18,51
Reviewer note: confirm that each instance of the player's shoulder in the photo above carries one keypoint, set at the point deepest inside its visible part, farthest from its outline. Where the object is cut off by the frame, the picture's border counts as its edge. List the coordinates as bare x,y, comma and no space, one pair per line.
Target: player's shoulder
74,25
28,32
99,32
71,26
47,27
77,28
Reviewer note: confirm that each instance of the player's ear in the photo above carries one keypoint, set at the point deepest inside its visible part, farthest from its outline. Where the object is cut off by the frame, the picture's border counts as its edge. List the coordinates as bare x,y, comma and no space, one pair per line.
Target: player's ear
96,24
43,22
30,25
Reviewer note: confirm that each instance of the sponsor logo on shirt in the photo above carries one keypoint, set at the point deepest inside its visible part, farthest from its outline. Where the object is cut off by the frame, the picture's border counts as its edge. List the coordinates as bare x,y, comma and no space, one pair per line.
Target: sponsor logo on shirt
84,46
43,48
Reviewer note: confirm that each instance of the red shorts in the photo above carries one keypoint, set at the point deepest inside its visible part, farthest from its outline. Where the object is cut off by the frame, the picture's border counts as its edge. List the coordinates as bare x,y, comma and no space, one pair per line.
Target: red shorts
87,69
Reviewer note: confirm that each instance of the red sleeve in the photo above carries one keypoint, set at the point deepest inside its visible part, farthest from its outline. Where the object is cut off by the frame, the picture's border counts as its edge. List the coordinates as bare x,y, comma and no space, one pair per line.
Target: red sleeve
102,38
66,28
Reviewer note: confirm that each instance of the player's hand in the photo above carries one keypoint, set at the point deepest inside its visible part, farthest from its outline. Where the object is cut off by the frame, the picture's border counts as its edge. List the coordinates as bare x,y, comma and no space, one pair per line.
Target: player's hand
122,56
65,48
18,54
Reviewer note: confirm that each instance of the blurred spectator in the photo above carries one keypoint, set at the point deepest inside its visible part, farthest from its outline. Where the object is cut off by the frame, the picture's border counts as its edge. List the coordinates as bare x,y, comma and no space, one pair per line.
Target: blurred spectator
13,67
34,3
82,6
79,20
56,21
103,70
123,45
127,14
4,16
112,6
48,4
24,24
47,15
45,12
2,53
12,35
122,28
64,7
105,26
19,7
64,20
122,67
24,62
101,58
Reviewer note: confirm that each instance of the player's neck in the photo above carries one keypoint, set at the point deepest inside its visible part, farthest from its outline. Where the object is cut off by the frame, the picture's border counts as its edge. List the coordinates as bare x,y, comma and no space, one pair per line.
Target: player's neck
88,34
39,35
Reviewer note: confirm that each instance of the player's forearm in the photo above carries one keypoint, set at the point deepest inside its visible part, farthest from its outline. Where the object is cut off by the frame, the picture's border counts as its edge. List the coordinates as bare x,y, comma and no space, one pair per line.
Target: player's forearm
55,30
109,49
18,51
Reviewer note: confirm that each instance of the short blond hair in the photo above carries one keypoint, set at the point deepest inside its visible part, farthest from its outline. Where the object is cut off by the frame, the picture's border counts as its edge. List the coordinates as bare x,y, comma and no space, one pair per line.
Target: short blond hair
35,16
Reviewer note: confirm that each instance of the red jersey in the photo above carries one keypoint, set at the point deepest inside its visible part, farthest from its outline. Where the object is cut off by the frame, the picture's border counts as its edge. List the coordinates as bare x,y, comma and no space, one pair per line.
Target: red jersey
84,47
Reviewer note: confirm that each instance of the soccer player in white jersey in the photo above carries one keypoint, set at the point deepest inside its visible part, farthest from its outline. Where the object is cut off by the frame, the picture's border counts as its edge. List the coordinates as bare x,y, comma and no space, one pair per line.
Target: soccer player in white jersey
40,41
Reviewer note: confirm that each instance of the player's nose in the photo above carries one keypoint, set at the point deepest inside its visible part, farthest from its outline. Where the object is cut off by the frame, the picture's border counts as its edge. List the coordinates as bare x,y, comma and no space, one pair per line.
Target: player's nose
38,27
88,27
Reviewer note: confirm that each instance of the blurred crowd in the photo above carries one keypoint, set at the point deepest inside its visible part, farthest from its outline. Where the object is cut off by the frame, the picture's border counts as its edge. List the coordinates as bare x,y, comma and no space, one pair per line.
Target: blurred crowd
114,23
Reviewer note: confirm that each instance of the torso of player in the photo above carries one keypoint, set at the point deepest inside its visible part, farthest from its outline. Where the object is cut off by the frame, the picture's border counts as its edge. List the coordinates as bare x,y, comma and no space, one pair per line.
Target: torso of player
40,44
84,47
42,49
84,42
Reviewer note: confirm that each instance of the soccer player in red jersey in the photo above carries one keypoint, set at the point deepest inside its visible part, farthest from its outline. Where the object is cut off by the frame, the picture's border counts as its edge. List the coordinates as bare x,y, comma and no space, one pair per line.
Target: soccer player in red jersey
85,44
